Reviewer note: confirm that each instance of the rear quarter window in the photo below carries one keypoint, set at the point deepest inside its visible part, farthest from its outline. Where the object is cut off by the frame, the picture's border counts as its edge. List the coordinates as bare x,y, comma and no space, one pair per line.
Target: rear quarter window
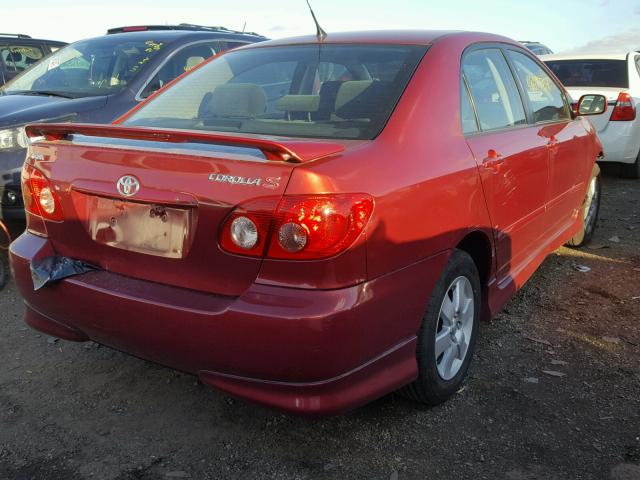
591,73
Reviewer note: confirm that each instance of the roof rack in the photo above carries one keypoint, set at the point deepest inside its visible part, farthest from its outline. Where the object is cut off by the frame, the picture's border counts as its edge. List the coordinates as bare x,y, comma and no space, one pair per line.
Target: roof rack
181,26
16,35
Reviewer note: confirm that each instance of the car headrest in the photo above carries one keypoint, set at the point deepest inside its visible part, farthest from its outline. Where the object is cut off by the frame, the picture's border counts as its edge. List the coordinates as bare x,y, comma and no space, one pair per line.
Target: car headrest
234,100
348,91
192,62
360,98
298,103
14,57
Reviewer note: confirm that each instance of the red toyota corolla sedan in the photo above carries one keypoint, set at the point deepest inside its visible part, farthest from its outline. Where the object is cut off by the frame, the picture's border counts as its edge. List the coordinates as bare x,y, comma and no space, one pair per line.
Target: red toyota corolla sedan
311,225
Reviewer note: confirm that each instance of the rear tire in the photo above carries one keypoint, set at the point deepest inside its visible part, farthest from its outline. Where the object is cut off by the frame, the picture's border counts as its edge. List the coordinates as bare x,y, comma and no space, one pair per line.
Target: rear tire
590,211
4,269
5,240
630,170
450,322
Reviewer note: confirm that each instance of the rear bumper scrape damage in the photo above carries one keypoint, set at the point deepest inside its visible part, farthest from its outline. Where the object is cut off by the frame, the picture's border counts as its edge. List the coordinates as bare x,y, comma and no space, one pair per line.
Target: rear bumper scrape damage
55,268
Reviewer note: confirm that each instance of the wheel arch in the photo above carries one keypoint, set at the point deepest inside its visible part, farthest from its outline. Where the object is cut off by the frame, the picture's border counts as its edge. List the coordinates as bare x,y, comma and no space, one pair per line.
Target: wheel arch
479,246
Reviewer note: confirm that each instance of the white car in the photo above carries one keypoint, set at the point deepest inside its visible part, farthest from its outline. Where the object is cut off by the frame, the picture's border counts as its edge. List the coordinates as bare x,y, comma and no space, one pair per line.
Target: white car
617,77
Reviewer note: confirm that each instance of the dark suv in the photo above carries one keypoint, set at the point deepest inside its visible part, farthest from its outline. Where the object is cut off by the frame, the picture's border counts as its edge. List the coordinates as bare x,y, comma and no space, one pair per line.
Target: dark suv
96,81
19,52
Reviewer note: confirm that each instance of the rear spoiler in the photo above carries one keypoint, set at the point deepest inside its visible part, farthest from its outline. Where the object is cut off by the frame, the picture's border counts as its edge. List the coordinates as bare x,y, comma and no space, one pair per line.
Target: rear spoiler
294,151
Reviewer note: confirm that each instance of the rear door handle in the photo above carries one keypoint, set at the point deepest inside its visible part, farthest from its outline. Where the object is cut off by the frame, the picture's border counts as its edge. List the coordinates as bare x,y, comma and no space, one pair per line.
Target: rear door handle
493,161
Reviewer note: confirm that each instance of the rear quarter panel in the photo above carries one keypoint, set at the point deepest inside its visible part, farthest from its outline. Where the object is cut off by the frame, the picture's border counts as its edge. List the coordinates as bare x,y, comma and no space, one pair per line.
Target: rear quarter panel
420,170
424,180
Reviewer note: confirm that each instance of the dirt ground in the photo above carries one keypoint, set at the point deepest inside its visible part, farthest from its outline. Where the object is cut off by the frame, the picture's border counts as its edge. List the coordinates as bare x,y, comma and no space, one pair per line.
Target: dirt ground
553,393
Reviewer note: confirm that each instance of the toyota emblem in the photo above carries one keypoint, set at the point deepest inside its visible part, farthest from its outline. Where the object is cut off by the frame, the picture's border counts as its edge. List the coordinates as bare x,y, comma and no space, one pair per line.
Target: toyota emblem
128,185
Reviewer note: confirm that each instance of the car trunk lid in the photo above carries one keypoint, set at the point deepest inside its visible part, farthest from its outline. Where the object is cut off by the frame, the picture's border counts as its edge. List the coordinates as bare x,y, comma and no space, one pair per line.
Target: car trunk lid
150,203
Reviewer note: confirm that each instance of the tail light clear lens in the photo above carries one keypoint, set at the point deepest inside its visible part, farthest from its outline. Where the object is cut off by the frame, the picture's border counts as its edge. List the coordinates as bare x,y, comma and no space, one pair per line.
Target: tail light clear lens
244,233
292,237
39,196
246,230
303,227
625,110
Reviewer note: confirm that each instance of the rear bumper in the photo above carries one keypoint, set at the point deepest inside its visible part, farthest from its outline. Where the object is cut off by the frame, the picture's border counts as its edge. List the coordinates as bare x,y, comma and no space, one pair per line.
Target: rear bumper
307,351
621,141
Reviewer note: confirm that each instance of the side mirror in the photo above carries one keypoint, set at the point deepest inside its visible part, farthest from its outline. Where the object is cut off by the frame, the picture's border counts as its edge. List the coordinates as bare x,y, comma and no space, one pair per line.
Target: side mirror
591,104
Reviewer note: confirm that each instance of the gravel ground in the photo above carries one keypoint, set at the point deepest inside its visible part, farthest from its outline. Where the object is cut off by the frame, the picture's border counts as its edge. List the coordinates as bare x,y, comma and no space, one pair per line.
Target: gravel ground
553,393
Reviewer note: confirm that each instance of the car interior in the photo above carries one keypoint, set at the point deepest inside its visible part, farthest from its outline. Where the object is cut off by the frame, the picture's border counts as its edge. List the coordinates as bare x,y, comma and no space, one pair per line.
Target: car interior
344,96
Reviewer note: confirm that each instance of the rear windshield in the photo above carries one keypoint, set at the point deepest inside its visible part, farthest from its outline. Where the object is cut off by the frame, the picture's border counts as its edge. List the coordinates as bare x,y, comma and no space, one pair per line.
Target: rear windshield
99,66
328,91
591,73
17,58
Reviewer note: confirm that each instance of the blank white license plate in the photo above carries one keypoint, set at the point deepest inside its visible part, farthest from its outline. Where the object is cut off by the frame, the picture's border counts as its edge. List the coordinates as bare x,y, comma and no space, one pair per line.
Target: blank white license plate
139,227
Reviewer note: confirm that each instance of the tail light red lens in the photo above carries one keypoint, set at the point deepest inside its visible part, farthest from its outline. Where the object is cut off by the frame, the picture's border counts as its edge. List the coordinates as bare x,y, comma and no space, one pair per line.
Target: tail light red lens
303,227
320,226
39,195
625,110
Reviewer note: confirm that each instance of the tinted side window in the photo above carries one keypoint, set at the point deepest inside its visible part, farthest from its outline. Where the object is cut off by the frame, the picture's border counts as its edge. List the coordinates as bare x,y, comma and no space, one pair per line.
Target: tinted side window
591,73
467,115
182,61
545,98
638,63
17,58
493,89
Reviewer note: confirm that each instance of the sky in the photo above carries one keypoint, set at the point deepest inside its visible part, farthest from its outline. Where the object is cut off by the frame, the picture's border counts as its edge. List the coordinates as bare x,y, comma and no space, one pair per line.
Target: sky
563,25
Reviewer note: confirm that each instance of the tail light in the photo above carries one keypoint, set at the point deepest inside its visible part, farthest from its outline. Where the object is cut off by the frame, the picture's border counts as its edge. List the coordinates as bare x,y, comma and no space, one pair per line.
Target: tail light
319,226
625,110
246,230
303,227
39,195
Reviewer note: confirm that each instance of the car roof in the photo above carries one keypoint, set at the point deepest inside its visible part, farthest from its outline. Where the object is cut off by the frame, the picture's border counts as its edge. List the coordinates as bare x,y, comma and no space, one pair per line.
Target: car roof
25,39
172,35
397,37
586,56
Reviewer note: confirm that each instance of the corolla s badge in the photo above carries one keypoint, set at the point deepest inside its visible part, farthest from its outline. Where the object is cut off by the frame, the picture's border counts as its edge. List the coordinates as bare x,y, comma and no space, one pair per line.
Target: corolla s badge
128,185
268,182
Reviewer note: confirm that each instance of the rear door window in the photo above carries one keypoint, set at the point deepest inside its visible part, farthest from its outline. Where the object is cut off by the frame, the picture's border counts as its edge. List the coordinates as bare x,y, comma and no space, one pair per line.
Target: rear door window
591,73
493,88
17,58
544,96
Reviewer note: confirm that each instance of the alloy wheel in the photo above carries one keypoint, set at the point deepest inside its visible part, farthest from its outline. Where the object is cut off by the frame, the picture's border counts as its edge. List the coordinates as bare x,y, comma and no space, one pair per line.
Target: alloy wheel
455,326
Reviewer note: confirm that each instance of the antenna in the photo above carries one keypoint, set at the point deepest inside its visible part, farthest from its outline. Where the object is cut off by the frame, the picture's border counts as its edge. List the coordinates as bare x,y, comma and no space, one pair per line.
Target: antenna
244,26
320,33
